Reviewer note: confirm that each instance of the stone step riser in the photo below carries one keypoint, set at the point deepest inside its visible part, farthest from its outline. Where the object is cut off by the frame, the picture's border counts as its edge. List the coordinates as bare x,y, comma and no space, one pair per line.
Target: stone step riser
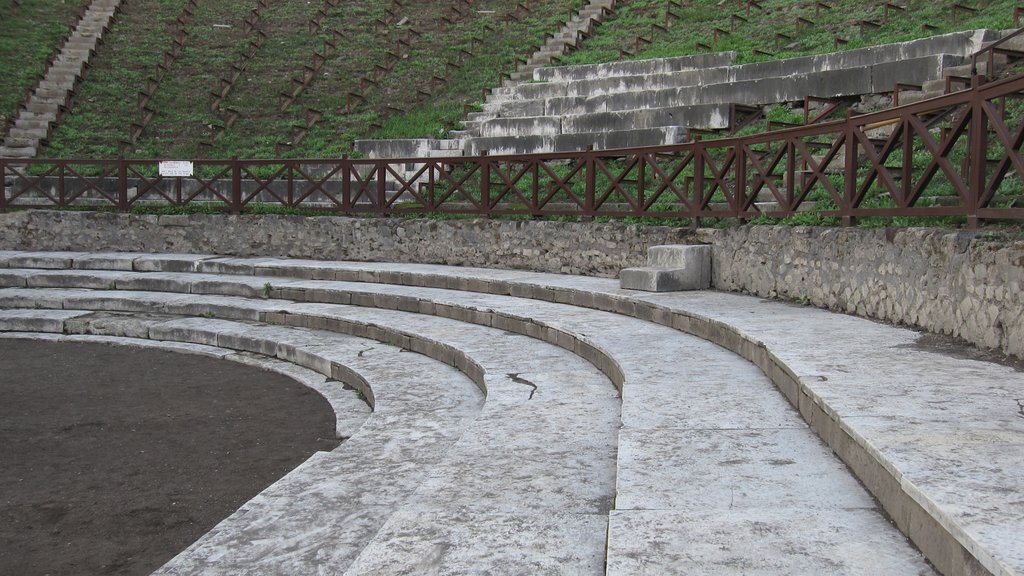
752,328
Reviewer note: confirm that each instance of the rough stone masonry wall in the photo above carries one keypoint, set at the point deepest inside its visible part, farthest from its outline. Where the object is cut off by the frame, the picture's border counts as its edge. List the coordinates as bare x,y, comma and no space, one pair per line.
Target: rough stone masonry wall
946,282
560,247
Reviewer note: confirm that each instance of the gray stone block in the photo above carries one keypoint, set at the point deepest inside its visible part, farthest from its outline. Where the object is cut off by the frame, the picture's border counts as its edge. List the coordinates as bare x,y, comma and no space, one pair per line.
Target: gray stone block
633,67
398,148
526,126
670,269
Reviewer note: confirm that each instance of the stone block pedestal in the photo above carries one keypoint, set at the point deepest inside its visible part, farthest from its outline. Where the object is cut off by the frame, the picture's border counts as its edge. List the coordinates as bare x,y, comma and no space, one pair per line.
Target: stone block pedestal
670,269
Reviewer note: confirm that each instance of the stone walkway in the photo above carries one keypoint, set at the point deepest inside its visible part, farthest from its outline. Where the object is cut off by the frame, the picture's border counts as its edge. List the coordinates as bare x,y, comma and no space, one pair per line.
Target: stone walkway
702,468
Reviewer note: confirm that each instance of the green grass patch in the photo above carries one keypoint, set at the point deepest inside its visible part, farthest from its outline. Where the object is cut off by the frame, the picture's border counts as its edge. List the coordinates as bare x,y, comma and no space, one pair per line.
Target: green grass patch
30,34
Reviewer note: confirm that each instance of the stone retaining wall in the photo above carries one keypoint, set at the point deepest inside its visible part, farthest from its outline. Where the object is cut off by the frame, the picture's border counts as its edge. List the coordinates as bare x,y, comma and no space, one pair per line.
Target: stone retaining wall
954,283
947,282
560,247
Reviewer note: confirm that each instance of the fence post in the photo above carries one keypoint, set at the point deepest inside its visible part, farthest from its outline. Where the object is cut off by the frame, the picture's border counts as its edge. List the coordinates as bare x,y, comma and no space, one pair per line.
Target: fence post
346,184
739,186
849,176
641,183
382,190
698,179
3,185
485,183
61,191
236,186
977,147
591,191
122,185
290,167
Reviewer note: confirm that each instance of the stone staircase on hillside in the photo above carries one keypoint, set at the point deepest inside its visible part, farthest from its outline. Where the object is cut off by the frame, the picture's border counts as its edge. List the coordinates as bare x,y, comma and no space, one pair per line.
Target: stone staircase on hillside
608,107
563,41
959,77
657,102
35,120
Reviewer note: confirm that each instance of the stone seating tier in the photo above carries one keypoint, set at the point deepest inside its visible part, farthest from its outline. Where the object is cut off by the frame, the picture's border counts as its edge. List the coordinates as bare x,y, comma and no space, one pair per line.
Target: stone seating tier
692,416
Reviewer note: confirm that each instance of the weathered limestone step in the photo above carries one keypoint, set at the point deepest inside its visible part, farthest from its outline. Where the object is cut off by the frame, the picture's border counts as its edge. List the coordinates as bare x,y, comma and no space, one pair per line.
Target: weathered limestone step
706,116
944,522
670,269
586,79
31,124
36,107
37,320
935,452
633,67
17,152
26,134
350,411
647,388
570,462
575,142
732,84
421,410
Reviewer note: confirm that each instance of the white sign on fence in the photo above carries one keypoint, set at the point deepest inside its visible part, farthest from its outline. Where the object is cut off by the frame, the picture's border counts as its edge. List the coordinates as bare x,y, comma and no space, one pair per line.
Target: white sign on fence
175,168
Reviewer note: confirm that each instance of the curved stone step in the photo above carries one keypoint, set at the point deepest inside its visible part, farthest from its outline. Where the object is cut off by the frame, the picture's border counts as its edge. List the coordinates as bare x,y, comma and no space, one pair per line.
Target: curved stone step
85,326
835,368
422,407
655,425
562,457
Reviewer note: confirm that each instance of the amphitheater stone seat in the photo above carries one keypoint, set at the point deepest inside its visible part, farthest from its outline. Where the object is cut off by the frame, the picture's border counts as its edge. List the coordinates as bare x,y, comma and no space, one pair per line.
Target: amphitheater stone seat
692,416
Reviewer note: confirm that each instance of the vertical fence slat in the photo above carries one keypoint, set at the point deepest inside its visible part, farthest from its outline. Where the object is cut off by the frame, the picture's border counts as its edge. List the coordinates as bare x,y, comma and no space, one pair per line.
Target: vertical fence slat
290,168
3,185
849,175
484,164
122,185
382,180
236,186
589,208
346,185
641,184
977,152
739,183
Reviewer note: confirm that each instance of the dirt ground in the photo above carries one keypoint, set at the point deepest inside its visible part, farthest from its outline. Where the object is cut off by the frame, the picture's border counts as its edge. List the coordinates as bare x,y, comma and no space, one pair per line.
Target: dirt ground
114,459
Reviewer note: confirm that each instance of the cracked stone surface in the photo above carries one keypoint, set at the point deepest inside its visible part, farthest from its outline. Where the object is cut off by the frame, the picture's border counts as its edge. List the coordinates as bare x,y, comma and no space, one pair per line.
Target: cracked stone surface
697,422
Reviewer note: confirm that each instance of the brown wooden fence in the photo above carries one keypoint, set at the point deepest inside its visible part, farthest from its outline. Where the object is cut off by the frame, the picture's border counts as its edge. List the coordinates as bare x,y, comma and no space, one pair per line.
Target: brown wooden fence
956,155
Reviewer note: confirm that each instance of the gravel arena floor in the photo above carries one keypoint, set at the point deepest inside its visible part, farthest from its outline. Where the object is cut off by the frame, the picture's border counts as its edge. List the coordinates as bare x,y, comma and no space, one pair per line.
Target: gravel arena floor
114,459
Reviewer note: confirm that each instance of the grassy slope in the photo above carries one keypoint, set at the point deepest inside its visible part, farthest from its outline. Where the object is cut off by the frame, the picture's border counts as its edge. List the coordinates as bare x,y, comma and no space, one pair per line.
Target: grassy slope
700,17
216,40
30,34
392,109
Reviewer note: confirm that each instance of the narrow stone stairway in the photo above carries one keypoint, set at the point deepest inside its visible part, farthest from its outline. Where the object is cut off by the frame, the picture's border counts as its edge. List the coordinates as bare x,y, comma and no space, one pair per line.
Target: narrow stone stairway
35,120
